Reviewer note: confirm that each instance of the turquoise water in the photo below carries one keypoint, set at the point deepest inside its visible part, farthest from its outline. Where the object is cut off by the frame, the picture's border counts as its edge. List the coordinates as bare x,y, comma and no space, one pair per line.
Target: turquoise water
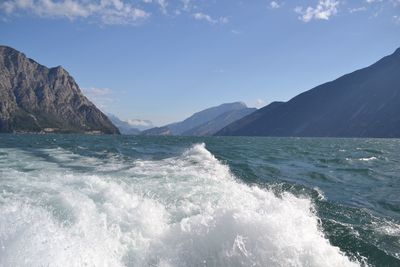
70,200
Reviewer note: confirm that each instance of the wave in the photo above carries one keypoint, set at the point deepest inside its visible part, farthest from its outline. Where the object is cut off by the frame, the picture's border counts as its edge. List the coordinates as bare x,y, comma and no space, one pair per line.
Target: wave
368,159
362,159
188,210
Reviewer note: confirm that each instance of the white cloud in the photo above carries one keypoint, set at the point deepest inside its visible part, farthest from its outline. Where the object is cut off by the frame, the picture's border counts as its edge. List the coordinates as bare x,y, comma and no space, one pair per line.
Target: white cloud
96,91
396,2
101,97
163,5
107,11
208,18
274,5
140,123
357,9
187,4
396,19
322,11
259,103
236,32
133,12
218,71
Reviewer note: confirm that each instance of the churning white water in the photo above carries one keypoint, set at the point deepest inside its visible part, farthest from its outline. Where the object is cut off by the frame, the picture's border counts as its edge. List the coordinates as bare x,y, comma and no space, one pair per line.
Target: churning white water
181,211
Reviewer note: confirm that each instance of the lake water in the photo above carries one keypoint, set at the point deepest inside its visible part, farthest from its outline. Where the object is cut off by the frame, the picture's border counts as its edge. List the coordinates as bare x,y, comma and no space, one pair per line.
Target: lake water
72,200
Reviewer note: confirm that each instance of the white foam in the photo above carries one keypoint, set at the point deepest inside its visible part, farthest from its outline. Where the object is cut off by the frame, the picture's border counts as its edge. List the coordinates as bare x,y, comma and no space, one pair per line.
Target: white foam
363,159
183,211
321,195
388,228
368,159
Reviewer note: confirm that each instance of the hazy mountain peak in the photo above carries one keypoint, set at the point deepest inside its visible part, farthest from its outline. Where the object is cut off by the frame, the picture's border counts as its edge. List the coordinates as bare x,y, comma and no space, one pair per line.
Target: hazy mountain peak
238,104
205,122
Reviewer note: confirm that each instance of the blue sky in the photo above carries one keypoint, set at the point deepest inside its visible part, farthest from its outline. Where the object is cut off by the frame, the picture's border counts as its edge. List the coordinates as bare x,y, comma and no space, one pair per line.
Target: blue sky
163,60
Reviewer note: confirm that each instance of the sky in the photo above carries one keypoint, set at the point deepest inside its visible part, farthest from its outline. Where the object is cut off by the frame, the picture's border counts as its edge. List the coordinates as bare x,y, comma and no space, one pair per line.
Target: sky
163,60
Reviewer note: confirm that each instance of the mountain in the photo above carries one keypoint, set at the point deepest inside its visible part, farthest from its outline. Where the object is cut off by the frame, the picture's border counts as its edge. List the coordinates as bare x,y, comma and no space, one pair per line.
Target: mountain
123,126
34,98
365,103
214,125
158,131
205,122
204,116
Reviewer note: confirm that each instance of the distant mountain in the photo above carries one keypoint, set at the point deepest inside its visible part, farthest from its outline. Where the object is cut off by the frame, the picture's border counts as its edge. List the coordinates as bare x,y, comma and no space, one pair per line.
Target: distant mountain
34,98
204,116
158,131
365,103
123,126
214,125
205,122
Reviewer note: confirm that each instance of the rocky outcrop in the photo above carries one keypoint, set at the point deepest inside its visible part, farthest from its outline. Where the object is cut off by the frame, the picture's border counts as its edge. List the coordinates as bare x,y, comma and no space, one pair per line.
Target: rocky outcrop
34,98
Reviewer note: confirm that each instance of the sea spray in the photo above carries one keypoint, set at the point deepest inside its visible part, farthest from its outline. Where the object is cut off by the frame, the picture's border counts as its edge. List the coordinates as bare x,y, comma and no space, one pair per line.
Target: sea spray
188,210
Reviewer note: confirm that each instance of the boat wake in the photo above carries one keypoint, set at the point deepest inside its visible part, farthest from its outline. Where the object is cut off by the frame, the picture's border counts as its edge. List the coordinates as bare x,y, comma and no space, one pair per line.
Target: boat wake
188,210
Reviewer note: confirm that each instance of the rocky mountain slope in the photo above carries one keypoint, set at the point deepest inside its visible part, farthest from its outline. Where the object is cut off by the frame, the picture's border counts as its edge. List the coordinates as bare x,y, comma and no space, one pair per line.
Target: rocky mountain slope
34,98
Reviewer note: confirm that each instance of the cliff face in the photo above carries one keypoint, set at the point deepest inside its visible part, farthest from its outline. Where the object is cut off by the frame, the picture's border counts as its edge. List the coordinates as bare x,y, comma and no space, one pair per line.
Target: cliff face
34,98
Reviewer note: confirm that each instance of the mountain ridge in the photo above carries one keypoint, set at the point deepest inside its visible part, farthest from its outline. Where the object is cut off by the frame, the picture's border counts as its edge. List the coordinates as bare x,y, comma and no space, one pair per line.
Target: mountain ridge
34,98
212,126
201,118
363,103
